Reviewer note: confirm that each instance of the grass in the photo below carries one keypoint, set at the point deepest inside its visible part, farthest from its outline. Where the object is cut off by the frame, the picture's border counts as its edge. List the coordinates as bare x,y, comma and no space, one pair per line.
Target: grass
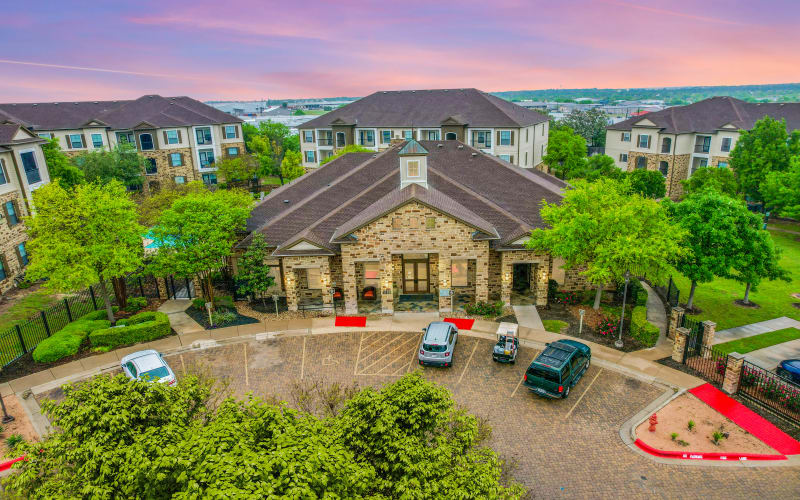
275,181
715,299
747,344
25,308
788,226
554,325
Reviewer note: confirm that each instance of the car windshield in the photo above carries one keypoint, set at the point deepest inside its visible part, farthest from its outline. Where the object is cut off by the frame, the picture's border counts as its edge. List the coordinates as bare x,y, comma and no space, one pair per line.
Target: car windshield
152,366
155,373
434,347
551,375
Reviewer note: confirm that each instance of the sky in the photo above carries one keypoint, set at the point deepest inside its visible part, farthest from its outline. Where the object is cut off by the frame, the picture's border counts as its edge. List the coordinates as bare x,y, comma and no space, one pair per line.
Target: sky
258,49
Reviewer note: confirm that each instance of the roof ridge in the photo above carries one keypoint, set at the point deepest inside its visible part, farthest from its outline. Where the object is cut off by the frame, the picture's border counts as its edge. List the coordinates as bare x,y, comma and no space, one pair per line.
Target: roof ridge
486,96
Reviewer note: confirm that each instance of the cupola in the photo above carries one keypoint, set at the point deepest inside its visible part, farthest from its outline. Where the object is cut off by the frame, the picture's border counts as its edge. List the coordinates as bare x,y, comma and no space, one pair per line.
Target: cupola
413,164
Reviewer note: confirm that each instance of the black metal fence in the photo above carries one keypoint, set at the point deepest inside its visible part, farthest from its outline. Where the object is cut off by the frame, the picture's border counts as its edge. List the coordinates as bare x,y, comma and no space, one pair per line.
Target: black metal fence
709,363
672,293
770,391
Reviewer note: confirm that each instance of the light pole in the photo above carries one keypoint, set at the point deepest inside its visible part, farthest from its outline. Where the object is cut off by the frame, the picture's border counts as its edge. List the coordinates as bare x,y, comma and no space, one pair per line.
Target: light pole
618,342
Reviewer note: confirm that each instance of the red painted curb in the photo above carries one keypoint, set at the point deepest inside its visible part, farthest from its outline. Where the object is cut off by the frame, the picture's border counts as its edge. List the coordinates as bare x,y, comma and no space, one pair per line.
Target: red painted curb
461,323
7,465
692,455
350,321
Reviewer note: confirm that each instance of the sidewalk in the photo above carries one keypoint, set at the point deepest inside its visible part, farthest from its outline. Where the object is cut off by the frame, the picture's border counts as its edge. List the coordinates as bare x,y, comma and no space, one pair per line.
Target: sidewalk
744,331
528,316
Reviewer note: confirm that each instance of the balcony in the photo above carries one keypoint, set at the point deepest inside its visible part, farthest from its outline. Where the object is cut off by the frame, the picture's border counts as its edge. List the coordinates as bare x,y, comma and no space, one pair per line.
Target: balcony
702,145
325,141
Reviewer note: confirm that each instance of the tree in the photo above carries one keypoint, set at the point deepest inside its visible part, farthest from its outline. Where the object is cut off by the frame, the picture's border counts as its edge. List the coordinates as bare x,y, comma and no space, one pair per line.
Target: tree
122,163
252,271
781,190
603,229
716,224
648,183
196,234
59,165
566,152
269,145
151,207
589,124
292,143
757,257
766,148
292,166
602,167
721,180
82,237
241,168
353,148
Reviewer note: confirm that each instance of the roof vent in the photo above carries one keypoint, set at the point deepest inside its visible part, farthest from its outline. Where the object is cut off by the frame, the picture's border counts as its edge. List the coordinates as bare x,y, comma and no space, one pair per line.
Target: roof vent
474,154
413,91
438,145
460,146
75,103
286,201
55,103
374,156
35,104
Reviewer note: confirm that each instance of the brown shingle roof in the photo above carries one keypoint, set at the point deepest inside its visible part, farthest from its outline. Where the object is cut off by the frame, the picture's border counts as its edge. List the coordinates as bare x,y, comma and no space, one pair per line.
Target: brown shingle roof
709,115
9,130
429,108
154,109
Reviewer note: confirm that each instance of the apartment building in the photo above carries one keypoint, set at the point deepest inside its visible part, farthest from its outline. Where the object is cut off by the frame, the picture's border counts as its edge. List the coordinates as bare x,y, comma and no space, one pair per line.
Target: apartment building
677,141
180,137
22,170
478,119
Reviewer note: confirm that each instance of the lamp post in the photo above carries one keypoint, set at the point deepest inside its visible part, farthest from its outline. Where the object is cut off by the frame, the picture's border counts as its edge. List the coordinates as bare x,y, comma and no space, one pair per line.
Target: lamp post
618,342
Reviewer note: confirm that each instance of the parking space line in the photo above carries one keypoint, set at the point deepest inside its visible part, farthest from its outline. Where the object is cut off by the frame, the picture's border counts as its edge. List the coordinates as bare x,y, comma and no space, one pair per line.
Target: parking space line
358,356
402,368
246,373
582,395
536,353
413,355
395,360
377,339
363,371
468,360
386,345
303,361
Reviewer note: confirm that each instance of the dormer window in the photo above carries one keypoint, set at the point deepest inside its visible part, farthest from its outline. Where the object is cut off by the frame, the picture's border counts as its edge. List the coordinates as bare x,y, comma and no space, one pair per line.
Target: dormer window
413,168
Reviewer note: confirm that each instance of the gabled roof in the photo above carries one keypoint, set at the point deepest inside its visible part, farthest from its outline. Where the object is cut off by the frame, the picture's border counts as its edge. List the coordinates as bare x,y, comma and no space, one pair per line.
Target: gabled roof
12,134
710,115
120,115
429,108
412,147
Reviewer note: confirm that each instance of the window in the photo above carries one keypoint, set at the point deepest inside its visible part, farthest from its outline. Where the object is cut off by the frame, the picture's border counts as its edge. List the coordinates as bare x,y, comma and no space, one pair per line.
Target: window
482,138
340,140
11,214
172,137
505,157
126,137
23,254
3,173
413,168
210,179
203,135
702,144
623,157
626,137
663,167
97,140
206,158
450,136
308,136
233,151
413,223
175,159
726,144
146,141
666,145
366,137
458,272
644,141
641,162
231,132
31,169
408,135
371,273
3,270
310,157
722,164
430,223
314,278
386,136
432,135
180,179
698,163
75,141
151,168
505,138
46,135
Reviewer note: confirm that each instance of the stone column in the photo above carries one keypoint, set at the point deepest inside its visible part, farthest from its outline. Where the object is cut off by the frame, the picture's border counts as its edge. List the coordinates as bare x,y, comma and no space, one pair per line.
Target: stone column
542,276
506,275
386,284
733,372
162,288
675,318
325,277
291,288
709,327
445,303
349,284
482,276
679,344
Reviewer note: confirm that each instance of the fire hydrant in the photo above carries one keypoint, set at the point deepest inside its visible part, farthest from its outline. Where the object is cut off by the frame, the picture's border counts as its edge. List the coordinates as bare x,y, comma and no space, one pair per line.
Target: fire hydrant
653,422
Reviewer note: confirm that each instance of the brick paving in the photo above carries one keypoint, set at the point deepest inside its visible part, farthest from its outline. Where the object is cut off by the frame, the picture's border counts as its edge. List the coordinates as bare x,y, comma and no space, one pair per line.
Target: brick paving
563,448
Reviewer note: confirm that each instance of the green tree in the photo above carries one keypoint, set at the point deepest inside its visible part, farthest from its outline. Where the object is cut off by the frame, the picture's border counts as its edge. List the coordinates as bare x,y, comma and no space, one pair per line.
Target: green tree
589,124
292,143
292,166
648,183
252,271
59,165
151,207
298,112
604,230
566,153
84,236
240,168
764,149
196,234
757,257
269,143
721,180
781,190
352,148
122,163
602,167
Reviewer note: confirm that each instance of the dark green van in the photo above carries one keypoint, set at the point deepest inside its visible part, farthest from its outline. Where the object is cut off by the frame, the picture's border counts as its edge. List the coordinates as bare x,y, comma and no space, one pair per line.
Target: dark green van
558,368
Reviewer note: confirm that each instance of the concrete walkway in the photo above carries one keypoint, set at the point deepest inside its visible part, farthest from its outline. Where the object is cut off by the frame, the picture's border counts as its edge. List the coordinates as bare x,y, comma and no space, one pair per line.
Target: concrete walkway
744,331
181,322
656,314
770,357
528,316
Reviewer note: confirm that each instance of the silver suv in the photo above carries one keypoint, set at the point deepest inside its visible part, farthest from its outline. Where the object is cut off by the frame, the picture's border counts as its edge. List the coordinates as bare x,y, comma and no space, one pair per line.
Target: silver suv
438,344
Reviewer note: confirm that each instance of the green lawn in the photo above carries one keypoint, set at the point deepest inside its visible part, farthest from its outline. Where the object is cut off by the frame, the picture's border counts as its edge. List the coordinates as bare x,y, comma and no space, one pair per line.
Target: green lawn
275,181
756,342
554,325
789,226
715,299
25,308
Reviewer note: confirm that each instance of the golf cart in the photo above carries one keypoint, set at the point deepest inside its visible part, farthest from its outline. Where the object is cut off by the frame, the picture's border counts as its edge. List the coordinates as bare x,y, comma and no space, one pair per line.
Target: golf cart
505,350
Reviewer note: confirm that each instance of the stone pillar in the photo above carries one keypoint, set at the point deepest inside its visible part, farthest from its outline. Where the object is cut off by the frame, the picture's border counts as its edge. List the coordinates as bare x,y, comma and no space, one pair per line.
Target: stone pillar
445,303
679,344
385,288
291,288
198,288
482,276
506,275
709,327
325,277
162,288
349,285
675,319
542,276
733,372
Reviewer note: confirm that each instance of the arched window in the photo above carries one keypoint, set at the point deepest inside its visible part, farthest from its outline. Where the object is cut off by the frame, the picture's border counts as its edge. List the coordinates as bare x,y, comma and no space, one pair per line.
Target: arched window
450,136
666,145
663,167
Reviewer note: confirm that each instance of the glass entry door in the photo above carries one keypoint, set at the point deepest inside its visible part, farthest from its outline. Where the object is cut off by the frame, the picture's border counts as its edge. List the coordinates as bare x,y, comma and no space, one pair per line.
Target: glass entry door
415,276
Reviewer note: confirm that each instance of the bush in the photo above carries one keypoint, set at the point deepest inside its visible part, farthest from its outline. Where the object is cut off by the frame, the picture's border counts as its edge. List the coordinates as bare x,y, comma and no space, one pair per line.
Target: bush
68,340
14,440
142,327
567,298
224,301
607,326
642,330
552,289
136,304
223,317
199,303
485,309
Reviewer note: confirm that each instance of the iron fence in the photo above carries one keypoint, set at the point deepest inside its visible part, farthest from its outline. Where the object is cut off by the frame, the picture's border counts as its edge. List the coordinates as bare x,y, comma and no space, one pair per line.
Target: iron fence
709,363
673,294
770,391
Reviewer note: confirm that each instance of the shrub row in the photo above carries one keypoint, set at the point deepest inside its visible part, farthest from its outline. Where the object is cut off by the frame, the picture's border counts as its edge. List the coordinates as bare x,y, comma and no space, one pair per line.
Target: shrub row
142,327
641,329
68,340
485,309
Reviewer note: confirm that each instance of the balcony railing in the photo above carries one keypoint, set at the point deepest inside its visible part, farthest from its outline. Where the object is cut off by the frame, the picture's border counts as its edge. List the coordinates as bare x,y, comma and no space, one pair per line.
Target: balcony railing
325,141
702,148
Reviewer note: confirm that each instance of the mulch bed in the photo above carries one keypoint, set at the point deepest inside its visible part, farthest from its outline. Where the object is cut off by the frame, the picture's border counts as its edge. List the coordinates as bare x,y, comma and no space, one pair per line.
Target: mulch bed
749,305
591,319
202,318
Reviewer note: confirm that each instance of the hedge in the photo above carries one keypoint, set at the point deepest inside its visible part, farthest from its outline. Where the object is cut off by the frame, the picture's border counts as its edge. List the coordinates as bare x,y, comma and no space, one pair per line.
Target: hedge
641,329
68,340
141,327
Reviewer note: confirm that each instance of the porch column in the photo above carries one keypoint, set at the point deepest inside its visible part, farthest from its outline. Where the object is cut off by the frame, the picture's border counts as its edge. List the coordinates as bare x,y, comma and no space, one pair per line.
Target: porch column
291,286
482,275
445,303
541,277
386,285
349,284
325,277
506,275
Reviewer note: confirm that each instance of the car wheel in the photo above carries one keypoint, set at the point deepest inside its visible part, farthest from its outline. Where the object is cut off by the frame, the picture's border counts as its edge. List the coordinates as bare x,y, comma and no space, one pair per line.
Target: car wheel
566,392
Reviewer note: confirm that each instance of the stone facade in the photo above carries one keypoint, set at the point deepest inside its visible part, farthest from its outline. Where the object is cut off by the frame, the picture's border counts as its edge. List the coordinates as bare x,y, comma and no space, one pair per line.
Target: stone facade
679,344
165,172
10,238
677,171
295,279
540,273
733,371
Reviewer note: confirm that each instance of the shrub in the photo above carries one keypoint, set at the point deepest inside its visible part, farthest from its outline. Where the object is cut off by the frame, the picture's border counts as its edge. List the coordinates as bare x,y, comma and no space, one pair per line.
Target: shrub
223,317
635,288
136,304
552,289
199,303
485,309
567,298
691,425
674,436
607,326
14,440
68,340
224,301
642,330
141,327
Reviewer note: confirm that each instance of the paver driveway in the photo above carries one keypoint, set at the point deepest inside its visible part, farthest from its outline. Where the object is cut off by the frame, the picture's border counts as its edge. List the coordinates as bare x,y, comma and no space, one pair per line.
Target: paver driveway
564,448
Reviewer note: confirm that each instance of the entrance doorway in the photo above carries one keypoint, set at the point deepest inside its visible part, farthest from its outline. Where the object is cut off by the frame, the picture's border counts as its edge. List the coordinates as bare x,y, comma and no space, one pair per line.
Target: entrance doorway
521,282
415,274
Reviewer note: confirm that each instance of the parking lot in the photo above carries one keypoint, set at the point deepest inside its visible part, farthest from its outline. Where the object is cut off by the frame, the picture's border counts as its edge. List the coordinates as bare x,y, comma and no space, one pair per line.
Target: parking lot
561,448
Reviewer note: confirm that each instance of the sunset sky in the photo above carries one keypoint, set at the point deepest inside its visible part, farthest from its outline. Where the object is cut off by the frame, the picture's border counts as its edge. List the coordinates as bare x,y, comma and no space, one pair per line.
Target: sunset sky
254,49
